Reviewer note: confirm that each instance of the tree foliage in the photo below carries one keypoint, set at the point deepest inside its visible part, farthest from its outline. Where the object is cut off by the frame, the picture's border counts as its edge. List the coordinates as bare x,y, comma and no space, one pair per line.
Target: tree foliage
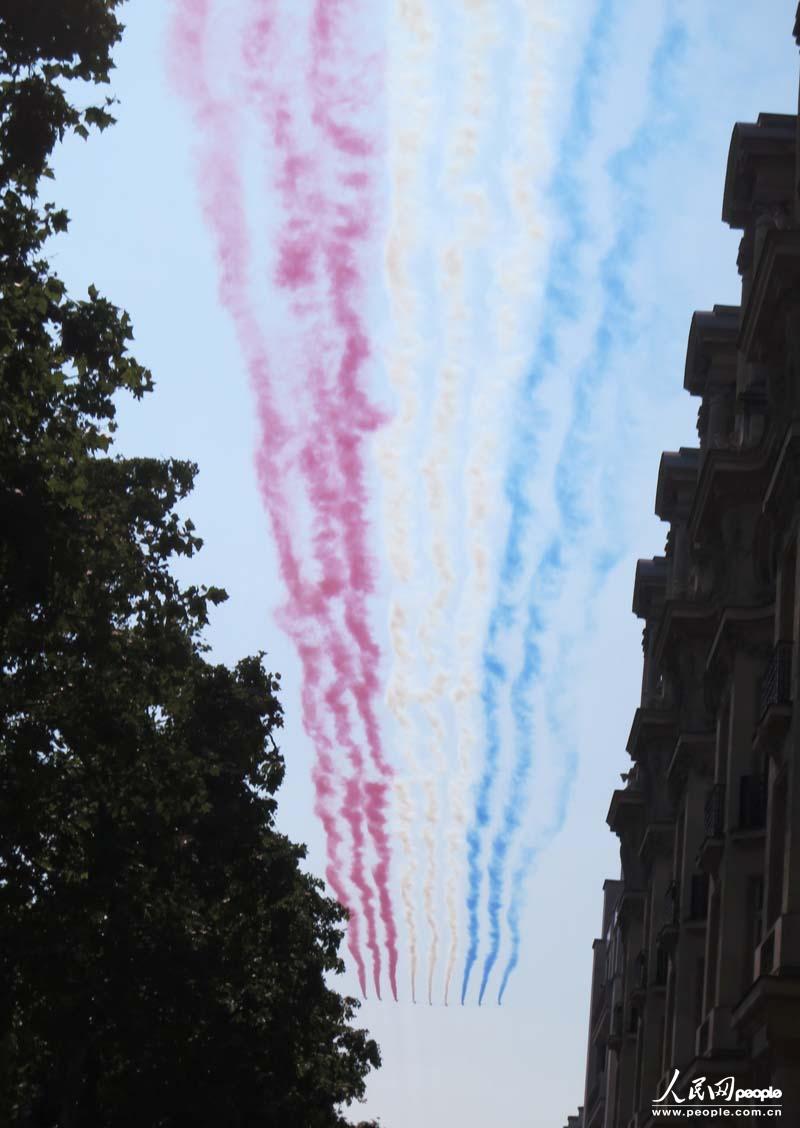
163,959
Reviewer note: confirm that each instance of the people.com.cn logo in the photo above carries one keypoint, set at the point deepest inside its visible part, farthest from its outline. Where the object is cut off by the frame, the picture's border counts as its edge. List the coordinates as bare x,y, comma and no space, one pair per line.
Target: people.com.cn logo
714,1099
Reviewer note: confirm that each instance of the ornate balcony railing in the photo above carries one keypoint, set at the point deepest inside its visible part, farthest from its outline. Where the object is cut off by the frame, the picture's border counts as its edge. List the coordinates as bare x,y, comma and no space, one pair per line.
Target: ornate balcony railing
776,685
714,813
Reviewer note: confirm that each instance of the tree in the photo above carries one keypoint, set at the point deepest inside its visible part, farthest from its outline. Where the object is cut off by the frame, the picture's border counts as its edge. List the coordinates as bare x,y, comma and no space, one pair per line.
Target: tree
163,958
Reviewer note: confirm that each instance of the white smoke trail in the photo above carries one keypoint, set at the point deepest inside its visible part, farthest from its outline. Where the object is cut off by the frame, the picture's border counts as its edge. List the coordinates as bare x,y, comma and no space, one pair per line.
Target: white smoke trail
455,382
481,239
411,81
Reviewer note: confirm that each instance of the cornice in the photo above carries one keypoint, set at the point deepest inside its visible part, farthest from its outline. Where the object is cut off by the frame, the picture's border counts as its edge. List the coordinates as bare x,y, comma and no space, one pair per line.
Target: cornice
649,724
711,349
627,805
649,586
758,150
677,480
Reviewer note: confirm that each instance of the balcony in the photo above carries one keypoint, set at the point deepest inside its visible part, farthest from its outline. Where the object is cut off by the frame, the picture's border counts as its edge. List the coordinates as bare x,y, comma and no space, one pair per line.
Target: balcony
752,802
775,704
776,685
779,951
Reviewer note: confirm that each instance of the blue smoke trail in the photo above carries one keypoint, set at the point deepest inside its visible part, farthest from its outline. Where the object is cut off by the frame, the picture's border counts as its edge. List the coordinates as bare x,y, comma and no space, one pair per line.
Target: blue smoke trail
560,302
574,467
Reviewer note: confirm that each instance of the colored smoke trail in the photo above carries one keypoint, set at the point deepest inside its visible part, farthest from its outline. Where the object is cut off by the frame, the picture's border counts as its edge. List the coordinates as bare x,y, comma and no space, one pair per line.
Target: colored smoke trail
460,260
579,457
431,821
345,78
464,695
525,450
518,250
299,253
406,814
405,809
222,199
410,82
575,475
314,612
454,378
330,220
514,917
309,246
418,683
524,461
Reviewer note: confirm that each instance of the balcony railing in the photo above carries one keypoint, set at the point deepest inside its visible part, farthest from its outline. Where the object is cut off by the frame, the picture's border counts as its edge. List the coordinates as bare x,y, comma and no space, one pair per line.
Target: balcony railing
714,811
776,685
752,802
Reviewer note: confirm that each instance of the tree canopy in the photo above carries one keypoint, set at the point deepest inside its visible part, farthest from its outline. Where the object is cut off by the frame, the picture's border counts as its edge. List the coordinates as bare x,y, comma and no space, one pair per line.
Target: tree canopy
164,960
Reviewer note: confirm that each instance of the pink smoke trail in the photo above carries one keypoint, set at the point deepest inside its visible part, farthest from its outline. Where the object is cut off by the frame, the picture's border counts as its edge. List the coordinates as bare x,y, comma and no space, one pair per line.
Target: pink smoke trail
299,253
335,88
342,419
329,220
222,198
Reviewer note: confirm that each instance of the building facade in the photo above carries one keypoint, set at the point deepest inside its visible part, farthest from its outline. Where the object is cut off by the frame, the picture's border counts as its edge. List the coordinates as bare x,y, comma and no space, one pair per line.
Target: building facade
696,974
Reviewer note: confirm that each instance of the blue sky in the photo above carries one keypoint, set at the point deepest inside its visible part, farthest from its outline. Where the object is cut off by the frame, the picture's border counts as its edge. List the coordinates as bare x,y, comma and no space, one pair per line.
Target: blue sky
635,105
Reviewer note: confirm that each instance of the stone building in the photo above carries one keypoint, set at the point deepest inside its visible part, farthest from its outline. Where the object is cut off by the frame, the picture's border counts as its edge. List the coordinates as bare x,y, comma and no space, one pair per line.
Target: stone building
696,975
